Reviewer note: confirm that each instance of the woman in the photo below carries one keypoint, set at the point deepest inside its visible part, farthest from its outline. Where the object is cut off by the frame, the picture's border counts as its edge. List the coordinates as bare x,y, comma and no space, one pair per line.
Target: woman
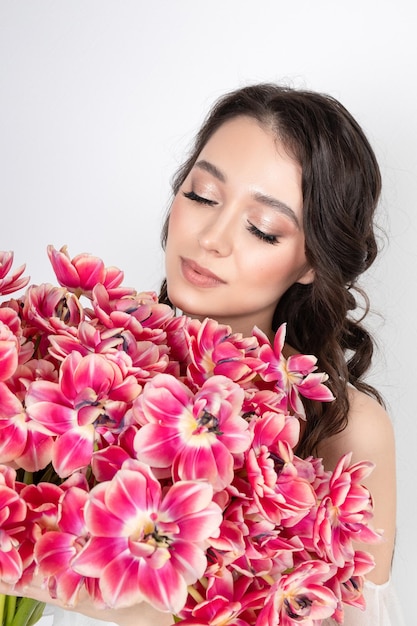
272,222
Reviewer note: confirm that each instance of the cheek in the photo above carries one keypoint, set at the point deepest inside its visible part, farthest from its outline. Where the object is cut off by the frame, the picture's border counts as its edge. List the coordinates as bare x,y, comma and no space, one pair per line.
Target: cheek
279,270
173,216
173,227
179,222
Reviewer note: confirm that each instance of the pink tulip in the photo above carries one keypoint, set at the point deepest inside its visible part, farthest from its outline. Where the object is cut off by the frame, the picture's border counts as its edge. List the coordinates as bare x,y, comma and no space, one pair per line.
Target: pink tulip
9,352
83,272
55,550
214,350
12,515
13,432
195,434
48,308
89,403
13,282
293,376
282,496
343,516
300,597
227,601
140,313
145,546
163,457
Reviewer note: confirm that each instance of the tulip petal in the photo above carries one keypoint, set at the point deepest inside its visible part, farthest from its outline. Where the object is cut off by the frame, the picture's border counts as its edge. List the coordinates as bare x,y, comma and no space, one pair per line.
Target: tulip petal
72,451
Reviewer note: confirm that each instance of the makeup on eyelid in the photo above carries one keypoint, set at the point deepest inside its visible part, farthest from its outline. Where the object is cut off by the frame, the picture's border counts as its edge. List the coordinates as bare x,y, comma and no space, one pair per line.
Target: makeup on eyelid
264,220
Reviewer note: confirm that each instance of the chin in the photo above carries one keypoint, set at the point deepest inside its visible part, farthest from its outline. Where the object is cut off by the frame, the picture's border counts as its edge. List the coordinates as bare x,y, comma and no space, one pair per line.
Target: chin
185,305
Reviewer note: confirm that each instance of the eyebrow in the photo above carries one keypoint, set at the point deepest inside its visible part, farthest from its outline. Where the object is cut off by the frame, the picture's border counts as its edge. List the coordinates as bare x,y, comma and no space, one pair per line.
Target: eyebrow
265,199
211,169
277,205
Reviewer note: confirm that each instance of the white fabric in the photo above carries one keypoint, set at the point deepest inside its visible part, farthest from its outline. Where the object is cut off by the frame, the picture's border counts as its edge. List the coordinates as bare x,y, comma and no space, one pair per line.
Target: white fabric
55,616
382,609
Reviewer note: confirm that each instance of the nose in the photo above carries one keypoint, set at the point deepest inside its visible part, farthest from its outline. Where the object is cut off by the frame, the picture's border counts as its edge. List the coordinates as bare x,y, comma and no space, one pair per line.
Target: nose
216,235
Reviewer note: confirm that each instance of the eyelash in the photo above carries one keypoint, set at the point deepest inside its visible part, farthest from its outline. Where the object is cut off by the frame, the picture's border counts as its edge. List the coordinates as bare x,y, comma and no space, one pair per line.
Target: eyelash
191,195
271,239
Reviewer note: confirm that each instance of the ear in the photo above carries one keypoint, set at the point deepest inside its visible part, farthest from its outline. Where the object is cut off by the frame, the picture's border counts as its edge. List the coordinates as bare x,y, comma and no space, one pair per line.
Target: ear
307,276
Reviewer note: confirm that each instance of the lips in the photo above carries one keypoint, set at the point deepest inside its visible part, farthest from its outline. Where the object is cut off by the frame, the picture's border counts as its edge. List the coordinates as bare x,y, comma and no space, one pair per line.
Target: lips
198,275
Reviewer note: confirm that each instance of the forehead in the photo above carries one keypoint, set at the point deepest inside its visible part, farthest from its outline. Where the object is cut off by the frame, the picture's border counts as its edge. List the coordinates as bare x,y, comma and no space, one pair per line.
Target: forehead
244,125
251,136
245,152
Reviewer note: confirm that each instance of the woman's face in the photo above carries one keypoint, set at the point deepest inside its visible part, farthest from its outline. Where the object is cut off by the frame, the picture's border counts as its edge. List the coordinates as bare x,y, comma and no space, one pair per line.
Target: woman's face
235,238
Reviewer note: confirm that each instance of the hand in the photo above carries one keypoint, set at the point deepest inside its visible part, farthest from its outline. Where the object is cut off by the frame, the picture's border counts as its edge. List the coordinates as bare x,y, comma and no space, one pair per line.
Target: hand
142,614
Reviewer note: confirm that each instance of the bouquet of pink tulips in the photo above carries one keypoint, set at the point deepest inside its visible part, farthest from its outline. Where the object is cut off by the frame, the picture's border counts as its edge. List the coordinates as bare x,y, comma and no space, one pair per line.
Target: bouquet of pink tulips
148,457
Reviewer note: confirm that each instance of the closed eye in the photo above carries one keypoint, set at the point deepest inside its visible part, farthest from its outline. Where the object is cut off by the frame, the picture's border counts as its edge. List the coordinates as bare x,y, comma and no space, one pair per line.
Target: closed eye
191,195
273,239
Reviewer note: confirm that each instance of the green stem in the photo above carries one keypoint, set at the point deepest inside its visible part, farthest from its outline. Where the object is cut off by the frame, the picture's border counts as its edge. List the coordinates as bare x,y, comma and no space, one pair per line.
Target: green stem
2,605
195,594
28,613
10,609
28,478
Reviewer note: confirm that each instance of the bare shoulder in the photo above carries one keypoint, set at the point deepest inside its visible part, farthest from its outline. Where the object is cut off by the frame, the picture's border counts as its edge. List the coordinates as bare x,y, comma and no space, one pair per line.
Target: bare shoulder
369,436
366,412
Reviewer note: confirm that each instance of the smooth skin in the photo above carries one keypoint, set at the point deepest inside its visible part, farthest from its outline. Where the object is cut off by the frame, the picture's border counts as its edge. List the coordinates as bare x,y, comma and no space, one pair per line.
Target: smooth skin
235,245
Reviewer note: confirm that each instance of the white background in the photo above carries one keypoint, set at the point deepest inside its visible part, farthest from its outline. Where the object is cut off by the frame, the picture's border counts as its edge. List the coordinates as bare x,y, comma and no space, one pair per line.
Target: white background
99,101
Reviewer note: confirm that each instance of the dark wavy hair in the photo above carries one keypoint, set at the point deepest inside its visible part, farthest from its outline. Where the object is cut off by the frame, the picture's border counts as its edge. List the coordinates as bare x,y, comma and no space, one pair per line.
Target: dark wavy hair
341,185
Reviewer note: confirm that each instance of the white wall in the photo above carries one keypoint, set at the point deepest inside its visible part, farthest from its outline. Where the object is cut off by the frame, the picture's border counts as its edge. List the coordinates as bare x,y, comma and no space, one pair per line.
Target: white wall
100,98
